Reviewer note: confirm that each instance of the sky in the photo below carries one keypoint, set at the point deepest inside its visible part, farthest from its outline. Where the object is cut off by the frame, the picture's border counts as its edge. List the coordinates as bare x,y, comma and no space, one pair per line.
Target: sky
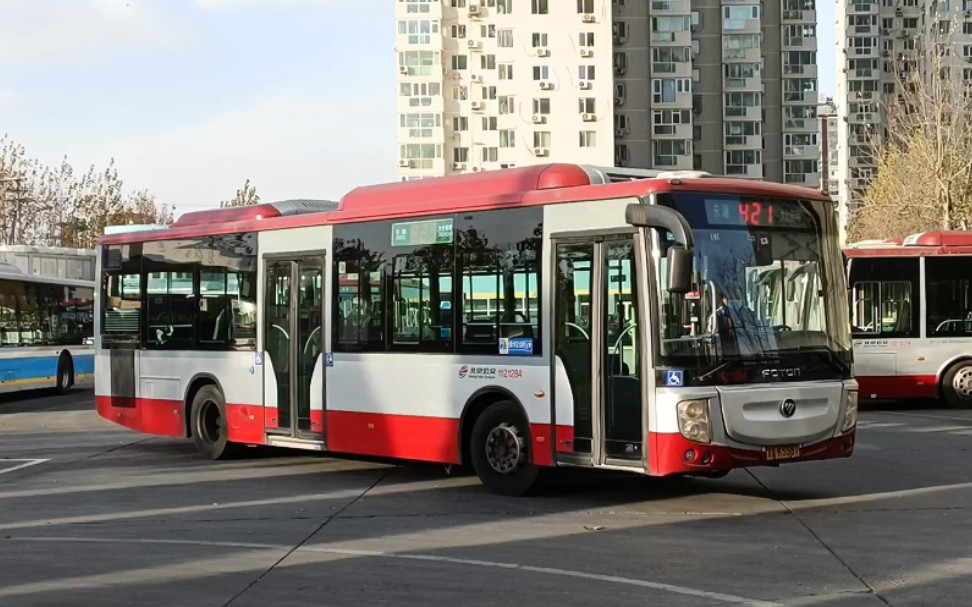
193,97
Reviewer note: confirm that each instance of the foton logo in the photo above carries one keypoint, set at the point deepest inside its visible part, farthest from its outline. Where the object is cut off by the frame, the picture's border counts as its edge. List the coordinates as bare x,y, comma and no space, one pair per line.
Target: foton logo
463,371
791,373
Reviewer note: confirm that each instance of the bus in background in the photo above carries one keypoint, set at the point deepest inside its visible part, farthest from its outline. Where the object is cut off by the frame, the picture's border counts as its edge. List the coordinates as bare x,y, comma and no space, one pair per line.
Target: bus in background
911,317
46,331
512,320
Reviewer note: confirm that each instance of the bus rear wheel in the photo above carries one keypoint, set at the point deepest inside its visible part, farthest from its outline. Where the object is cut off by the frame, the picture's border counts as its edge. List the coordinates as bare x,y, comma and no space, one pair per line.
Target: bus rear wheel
210,430
500,450
957,386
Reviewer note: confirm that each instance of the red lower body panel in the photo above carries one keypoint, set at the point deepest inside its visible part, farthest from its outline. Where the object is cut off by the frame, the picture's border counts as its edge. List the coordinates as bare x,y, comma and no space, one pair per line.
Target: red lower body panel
668,454
429,439
897,386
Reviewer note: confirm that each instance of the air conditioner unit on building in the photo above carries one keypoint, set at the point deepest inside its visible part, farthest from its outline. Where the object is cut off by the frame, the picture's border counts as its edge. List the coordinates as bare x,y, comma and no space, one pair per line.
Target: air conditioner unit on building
473,43
404,163
540,151
474,10
588,18
538,119
585,84
477,105
586,52
545,85
458,166
543,52
476,78
402,69
619,132
588,117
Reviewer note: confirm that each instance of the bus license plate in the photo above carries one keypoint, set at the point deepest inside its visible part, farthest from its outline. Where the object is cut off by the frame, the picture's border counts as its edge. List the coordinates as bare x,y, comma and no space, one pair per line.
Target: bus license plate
783,452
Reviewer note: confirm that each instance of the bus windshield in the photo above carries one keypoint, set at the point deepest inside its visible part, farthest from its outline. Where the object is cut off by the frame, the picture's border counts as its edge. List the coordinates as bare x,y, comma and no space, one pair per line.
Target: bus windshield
768,286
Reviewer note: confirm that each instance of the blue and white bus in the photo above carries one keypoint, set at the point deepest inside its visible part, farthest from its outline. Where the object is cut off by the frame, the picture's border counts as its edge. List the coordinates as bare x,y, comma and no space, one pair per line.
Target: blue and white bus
46,331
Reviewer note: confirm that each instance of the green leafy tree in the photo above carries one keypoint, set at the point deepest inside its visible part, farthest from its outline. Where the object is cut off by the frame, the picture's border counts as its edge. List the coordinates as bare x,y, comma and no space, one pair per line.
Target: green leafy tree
245,196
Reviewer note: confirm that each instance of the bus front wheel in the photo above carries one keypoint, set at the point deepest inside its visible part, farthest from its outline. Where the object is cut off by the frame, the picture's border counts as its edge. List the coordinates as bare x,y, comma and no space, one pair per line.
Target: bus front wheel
957,386
210,430
500,450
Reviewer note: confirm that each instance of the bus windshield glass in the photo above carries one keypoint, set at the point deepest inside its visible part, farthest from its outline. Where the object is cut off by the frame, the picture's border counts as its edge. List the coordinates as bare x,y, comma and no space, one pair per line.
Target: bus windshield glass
768,286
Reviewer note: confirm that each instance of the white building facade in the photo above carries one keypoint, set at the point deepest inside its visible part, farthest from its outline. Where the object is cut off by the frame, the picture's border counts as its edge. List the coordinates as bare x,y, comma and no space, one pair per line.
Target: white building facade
726,86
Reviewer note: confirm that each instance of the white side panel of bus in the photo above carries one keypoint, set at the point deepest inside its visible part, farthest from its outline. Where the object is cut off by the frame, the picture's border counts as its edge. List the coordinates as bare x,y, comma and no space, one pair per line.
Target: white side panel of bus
433,385
581,216
166,375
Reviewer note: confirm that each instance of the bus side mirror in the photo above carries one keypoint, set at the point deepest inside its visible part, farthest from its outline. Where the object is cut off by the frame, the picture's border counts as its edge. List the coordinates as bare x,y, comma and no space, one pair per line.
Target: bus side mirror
679,269
679,254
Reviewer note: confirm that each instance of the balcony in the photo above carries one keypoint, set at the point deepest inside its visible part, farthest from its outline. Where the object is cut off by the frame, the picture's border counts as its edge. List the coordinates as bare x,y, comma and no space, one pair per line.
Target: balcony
804,179
741,26
743,84
862,8
746,55
801,152
671,7
679,69
801,125
743,142
863,117
745,170
794,17
743,113
672,131
799,43
801,97
804,71
679,38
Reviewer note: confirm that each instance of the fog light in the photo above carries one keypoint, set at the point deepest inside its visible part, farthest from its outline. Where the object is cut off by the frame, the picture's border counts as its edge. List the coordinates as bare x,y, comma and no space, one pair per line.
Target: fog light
690,455
693,420
850,411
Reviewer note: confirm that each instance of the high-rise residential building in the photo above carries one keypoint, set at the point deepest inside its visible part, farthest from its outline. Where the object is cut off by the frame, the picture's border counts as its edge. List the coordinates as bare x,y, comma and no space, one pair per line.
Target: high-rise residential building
879,41
827,114
725,86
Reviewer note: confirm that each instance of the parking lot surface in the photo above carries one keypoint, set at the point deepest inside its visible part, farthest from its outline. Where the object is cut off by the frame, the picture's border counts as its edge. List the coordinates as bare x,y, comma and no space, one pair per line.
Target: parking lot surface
92,514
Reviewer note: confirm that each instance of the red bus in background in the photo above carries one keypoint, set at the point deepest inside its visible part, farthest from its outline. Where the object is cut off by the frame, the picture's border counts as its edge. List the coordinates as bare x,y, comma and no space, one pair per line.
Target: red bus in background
552,315
911,316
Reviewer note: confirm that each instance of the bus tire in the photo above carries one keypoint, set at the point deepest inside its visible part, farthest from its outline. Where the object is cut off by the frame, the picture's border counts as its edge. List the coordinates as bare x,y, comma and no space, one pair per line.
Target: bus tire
500,450
957,385
65,370
210,430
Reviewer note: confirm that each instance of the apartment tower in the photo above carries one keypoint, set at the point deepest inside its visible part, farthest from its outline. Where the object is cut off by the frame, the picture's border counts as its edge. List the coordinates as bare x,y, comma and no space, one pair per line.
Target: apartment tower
725,86
878,40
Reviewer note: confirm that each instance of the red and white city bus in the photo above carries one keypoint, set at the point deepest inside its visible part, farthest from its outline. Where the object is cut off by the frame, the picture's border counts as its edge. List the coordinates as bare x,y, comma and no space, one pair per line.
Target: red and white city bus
663,323
911,317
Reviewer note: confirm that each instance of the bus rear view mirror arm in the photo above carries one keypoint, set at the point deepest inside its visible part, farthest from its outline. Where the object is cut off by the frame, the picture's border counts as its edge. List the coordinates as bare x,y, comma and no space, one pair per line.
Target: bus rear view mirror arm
680,254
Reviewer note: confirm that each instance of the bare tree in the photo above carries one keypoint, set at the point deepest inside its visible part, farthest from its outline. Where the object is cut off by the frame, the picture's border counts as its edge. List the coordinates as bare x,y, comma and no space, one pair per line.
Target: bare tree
245,196
924,175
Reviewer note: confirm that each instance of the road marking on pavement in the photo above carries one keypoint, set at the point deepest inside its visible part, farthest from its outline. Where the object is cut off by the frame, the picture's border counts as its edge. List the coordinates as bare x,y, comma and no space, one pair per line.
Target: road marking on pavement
27,463
910,428
610,579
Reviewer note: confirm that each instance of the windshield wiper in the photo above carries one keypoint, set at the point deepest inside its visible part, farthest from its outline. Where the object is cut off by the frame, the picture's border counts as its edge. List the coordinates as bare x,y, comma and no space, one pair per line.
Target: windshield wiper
832,357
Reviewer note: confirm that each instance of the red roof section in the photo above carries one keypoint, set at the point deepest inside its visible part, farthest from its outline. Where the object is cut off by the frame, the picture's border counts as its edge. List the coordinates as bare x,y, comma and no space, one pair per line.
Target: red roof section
916,245
527,186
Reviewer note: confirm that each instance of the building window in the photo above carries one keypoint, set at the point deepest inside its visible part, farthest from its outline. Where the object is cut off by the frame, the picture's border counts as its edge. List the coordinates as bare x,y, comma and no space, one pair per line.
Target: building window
506,71
669,151
541,106
489,123
586,39
504,38
506,105
460,123
585,6
507,138
587,105
541,139
458,31
588,139
539,40
539,7
490,154
459,62
586,72
541,72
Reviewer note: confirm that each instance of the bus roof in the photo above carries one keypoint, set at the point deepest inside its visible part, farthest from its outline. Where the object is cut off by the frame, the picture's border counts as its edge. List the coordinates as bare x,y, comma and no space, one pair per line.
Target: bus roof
521,186
916,245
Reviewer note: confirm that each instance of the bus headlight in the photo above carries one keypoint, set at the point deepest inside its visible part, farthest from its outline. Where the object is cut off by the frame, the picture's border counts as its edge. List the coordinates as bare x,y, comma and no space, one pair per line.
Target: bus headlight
850,411
693,420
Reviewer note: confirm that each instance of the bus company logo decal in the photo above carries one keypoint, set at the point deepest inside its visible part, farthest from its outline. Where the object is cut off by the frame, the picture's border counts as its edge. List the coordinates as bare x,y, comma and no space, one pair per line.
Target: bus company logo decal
477,372
788,407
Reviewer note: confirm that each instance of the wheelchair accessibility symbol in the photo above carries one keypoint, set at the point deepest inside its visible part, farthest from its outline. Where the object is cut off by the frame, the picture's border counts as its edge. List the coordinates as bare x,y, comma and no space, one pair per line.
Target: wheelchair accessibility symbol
674,378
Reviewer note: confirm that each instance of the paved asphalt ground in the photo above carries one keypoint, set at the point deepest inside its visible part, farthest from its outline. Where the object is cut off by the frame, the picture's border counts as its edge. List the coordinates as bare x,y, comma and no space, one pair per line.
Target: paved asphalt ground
91,514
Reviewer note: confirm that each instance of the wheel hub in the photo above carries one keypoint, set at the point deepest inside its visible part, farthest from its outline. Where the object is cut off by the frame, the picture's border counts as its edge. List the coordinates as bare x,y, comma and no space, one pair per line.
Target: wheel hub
962,383
504,449
211,422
